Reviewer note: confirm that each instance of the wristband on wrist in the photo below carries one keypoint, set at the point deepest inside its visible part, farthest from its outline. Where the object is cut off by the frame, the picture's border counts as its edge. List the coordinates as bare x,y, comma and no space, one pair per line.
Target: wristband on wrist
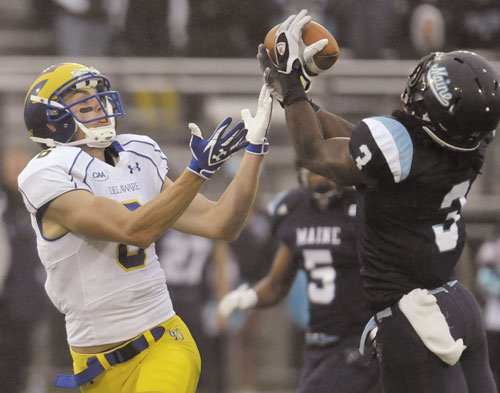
258,149
293,91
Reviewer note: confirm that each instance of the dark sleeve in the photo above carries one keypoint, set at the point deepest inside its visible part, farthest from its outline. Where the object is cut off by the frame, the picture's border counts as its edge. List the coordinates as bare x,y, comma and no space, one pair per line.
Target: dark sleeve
382,149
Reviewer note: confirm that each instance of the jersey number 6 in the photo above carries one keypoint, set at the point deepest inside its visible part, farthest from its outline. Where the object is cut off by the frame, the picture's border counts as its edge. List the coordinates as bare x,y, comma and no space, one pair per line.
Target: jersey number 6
127,259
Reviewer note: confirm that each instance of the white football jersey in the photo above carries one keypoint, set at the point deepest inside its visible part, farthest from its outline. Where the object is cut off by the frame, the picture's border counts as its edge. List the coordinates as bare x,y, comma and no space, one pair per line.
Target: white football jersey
109,292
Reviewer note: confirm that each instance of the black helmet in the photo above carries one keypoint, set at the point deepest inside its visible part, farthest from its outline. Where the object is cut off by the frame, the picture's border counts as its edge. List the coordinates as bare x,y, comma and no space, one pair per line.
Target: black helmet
456,95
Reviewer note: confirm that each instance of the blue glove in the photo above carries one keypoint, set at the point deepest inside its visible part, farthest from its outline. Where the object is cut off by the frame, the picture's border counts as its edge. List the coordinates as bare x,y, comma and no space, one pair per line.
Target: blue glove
258,126
209,154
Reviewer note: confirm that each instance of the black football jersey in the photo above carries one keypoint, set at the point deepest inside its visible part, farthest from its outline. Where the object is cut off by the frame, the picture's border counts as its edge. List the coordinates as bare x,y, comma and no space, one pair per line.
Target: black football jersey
322,243
411,231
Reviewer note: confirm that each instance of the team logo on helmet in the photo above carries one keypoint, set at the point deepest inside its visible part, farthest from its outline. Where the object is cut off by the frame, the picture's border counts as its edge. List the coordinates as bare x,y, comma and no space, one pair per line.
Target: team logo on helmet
438,82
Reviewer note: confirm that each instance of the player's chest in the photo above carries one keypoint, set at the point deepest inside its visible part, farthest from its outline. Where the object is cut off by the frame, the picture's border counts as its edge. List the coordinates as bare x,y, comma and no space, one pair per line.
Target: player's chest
330,229
131,179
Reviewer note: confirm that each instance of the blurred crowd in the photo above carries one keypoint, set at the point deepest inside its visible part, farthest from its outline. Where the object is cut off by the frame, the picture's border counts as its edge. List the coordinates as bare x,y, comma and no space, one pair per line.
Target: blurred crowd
216,28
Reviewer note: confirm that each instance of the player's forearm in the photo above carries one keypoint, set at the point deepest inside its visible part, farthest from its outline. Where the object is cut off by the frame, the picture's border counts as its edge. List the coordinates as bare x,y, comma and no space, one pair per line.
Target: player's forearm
234,205
330,157
155,217
305,131
270,292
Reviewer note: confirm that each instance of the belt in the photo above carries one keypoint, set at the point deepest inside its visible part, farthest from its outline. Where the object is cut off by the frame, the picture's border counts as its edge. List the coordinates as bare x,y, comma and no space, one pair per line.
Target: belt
119,355
320,339
371,326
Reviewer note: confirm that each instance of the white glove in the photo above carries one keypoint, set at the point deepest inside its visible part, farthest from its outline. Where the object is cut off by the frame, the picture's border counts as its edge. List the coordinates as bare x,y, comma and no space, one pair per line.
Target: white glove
241,298
258,126
309,53
288,43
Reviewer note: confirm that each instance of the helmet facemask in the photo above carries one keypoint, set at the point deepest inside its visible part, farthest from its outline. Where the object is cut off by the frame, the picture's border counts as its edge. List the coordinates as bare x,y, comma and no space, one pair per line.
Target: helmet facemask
102,136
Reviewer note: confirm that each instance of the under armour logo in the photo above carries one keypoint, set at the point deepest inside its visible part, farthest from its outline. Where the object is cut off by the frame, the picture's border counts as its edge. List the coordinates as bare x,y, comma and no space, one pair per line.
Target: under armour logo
132,169
222,152
176,334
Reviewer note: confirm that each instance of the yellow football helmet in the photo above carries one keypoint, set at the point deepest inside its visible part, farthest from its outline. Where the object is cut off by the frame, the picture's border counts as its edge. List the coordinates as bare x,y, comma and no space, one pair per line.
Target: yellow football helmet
44,104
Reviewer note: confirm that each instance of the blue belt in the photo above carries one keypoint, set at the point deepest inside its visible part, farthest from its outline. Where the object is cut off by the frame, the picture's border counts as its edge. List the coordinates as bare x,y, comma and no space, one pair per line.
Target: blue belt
320,339
119,355
387,312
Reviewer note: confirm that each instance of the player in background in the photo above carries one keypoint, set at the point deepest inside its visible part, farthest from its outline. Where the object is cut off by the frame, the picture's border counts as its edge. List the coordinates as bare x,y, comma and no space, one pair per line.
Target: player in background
412,171
98,201
315,225
197,277
487,261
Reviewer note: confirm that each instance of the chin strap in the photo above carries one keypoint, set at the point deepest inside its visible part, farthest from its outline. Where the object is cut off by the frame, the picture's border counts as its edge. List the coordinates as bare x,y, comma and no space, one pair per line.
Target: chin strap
439,141
99,137
96,137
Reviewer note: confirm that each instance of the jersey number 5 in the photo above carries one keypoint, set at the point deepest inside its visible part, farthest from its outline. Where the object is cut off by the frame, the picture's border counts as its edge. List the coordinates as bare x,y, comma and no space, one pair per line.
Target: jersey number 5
446,239
319,265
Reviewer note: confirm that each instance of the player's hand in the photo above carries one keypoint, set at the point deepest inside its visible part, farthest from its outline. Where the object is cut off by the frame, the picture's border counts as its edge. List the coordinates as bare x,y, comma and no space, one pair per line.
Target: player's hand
269,73
209,154
258,126
288,44
241,298
308,57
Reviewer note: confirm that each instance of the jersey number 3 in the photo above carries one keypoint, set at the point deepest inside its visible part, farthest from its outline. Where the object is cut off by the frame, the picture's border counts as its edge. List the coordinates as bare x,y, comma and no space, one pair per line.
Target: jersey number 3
446,239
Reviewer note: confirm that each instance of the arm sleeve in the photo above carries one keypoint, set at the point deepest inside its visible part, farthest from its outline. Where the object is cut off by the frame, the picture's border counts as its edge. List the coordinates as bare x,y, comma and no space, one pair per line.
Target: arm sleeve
382,149
51,175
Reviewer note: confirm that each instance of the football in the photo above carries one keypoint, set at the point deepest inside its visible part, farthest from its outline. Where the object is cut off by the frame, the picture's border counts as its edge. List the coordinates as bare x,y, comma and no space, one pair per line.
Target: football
311,33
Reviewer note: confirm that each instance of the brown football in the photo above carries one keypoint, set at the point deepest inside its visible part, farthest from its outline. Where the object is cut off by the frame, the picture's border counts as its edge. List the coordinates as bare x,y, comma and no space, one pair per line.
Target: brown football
311,33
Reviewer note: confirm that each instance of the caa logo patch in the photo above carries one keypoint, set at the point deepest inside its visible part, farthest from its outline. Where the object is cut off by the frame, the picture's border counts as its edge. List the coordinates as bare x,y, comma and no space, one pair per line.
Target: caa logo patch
437,78
100,176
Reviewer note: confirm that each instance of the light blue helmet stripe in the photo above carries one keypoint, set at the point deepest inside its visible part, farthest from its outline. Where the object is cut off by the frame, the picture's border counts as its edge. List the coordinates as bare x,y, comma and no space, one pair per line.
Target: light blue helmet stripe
394,142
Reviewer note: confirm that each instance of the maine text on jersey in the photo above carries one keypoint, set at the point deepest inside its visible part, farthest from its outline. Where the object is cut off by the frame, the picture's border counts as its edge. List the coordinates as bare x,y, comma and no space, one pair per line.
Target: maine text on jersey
318,235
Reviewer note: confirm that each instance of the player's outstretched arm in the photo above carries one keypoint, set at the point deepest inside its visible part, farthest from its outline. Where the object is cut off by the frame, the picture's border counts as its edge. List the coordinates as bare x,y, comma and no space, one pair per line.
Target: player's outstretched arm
308,129
331,125
267,292
225,218
103,218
